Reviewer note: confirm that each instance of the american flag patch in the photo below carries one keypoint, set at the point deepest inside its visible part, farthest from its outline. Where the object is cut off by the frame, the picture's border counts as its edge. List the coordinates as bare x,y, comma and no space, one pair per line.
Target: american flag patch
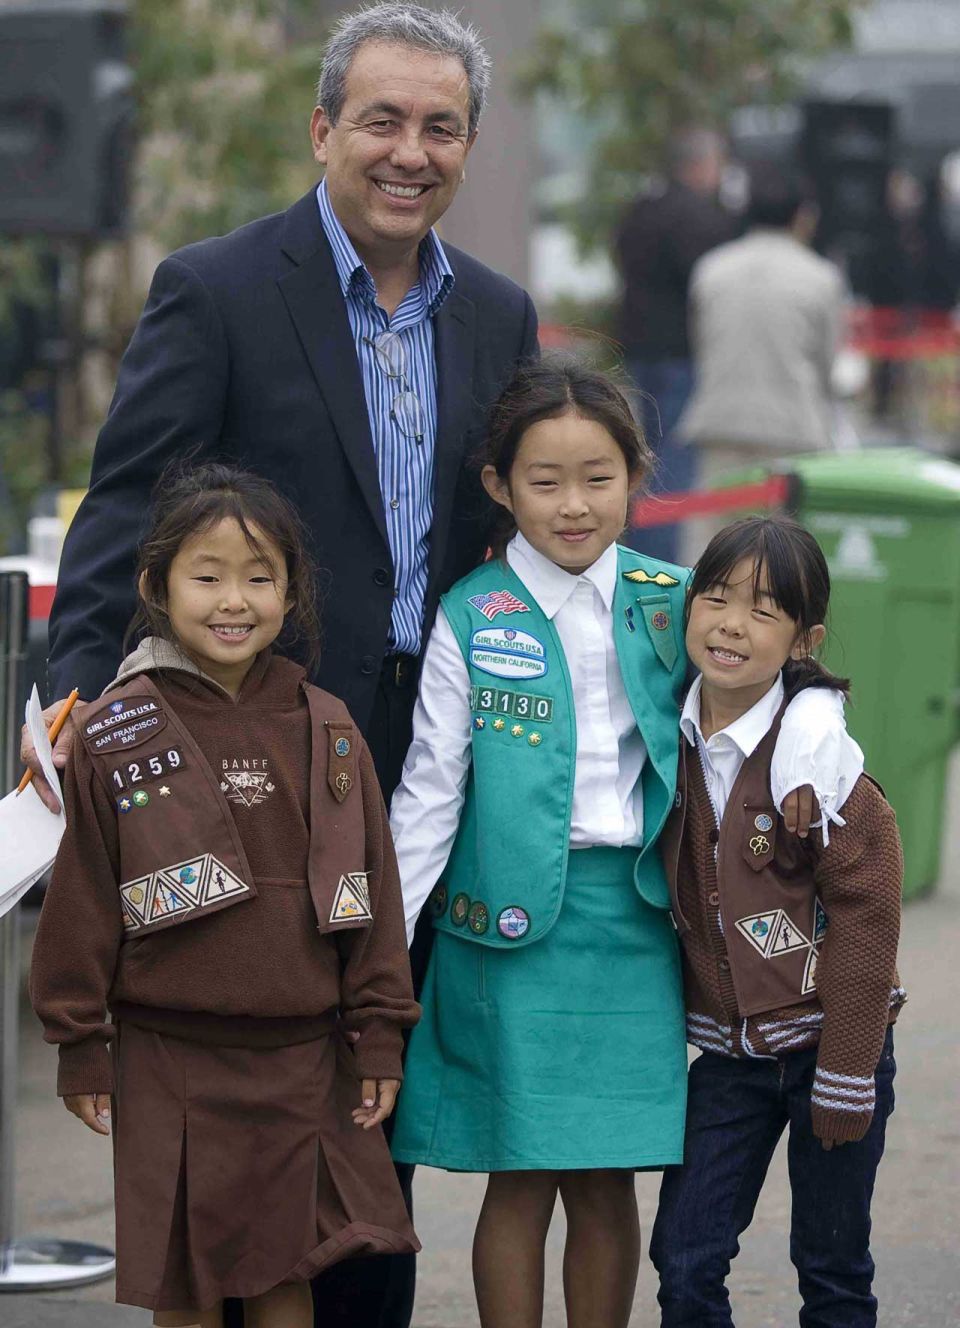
498,601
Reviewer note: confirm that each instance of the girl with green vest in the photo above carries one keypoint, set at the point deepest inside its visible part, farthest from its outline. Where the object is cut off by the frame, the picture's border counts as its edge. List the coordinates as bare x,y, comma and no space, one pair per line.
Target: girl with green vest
543,766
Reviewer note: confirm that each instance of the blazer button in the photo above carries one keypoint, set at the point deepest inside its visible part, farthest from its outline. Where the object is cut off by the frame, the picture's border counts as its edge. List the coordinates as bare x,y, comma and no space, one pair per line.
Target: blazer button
713,899
381,577
368,664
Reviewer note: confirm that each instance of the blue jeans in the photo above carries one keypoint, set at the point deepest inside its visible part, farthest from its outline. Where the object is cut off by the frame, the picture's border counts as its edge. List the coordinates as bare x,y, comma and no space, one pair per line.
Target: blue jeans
669,383
736,1113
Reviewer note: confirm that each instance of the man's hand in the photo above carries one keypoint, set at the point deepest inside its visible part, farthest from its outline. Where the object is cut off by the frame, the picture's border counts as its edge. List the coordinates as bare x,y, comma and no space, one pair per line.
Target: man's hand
92,1108
28,755
798,809
378,1097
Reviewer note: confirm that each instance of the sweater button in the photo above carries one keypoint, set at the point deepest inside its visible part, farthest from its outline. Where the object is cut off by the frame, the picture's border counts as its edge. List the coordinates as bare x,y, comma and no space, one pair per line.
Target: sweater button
368,665
714,836
713,899
724,965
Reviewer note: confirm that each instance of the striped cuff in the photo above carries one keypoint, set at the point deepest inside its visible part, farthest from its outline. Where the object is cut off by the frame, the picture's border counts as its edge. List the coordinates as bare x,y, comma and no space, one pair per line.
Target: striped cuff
705,1032
841,1106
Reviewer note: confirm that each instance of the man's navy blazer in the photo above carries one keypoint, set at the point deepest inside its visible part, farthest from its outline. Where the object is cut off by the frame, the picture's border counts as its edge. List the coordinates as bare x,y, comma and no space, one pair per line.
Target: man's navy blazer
244,353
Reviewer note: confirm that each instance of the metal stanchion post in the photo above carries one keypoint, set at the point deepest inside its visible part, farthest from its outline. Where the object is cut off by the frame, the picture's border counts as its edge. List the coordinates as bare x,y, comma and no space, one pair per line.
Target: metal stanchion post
35,1264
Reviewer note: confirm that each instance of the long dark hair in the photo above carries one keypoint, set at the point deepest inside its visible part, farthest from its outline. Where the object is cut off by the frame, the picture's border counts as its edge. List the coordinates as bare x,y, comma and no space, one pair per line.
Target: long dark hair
190,499
797,578
544,390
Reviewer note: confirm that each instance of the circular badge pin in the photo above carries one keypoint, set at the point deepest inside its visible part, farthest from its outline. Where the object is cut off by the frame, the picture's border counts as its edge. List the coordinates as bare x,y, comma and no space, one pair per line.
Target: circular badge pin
764,822
125,805
535,739
661,620
499,725
479,722
438,901
478,919
459,909
141,798
517,730
342,747
513,922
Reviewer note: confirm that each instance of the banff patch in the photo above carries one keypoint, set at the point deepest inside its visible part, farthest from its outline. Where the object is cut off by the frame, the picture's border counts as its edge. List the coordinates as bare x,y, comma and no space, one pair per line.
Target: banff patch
352,900
507,653
498,601
127,723
191,886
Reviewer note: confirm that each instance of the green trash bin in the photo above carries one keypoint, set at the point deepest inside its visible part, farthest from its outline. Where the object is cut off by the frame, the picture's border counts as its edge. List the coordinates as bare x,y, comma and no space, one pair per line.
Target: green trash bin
888,520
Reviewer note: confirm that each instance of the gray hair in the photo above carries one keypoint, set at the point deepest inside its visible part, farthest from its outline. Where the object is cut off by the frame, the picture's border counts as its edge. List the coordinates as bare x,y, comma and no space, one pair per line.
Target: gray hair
439,31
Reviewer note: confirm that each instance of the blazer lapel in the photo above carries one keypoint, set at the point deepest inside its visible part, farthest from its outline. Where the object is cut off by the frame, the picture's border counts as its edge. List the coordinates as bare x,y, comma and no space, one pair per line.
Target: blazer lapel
315,302
455,334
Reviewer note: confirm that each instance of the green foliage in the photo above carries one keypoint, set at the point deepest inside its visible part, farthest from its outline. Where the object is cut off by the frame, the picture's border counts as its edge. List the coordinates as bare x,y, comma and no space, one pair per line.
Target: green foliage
224,105
642,69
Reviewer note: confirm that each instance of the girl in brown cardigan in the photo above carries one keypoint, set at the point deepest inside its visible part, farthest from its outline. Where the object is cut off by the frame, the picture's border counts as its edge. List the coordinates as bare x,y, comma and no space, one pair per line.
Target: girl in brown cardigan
789,951
227,888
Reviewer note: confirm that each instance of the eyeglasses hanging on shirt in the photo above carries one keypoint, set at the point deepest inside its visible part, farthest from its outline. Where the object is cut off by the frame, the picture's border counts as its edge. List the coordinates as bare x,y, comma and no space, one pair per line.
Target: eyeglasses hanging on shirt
406,409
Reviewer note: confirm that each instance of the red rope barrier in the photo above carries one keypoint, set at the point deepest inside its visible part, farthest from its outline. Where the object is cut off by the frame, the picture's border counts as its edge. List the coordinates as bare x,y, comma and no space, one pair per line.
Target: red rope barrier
663,509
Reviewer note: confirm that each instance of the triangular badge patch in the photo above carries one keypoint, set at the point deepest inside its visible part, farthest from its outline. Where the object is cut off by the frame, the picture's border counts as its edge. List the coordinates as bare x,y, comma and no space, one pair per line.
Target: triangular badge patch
169,899
219,882
184,878
787,937
810,972
760,929
352,901
136,901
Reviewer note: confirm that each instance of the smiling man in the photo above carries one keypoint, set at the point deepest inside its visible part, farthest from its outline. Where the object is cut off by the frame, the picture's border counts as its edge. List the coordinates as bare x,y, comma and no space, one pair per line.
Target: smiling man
343,351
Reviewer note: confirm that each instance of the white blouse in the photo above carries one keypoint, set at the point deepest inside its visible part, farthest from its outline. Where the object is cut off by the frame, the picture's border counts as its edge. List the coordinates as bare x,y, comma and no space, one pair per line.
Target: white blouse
607,796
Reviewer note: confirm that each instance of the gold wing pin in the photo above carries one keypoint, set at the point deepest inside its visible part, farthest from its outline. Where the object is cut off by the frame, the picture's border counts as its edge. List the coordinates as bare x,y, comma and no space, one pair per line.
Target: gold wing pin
645,579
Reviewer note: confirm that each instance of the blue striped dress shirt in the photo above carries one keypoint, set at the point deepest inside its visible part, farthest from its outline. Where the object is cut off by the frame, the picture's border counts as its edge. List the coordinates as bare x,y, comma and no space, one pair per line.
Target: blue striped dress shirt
405,466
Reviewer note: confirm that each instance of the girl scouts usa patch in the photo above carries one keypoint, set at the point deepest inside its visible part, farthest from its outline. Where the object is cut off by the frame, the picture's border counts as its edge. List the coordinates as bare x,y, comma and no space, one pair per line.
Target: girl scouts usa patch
506,652
124,723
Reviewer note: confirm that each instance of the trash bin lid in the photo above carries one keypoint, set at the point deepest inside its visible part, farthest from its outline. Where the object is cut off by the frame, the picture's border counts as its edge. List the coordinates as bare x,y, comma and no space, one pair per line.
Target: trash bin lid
884,478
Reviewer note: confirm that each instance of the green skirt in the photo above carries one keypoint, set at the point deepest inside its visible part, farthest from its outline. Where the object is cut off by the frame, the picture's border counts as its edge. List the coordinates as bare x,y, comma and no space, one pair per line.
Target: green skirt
565,1054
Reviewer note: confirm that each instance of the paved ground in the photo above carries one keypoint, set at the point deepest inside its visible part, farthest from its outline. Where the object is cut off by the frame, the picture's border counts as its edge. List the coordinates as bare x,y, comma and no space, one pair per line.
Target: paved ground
64,1186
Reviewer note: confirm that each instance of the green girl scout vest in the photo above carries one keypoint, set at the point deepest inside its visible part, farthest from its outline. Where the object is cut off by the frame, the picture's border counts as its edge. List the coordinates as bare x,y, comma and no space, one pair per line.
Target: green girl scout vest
181,856
503,884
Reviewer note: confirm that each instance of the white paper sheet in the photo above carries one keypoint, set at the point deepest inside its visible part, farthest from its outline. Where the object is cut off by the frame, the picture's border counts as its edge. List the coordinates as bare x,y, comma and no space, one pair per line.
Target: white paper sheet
29,834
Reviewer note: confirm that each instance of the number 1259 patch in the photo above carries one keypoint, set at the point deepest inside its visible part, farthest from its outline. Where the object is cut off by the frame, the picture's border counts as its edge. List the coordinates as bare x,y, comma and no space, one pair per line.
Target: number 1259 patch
132,773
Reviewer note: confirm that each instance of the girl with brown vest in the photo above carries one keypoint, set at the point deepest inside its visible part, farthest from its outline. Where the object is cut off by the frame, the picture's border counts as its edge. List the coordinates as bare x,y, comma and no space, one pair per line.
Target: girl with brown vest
789,951
227,888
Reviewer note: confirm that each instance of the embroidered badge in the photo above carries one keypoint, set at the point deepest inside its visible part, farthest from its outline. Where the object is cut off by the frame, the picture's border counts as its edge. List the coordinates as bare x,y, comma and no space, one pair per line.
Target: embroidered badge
507,653
819,922
478,919
141,798
342,747
459,909
127,724
352,900
125,805
183,888
535,739
497,601
438,901
246,781
517,731
499,725
479,722
643,578
513,922
772,933
760,844
809,983
763,822
661,621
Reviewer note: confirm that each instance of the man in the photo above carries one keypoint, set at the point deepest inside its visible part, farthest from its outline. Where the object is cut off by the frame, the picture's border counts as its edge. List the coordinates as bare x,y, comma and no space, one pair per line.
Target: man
341,350
765,317
661,237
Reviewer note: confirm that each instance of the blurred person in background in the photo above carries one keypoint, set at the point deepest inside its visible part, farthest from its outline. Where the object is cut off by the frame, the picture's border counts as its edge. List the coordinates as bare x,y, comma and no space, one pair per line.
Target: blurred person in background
343,352
765,322
662,235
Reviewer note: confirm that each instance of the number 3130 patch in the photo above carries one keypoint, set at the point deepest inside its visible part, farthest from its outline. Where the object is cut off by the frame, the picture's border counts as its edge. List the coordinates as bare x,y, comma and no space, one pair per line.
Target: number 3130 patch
162,763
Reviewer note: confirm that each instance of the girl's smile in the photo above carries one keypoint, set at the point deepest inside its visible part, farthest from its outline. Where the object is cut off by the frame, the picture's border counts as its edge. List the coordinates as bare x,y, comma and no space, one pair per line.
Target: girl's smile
567,490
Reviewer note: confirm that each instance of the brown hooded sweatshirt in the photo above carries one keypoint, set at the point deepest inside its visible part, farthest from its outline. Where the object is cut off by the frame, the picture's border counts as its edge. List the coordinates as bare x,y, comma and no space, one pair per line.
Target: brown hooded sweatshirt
258,972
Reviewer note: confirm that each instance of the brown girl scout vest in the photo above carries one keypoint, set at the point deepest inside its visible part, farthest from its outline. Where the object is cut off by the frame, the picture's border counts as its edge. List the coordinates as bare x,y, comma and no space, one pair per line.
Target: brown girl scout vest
184,858
773,923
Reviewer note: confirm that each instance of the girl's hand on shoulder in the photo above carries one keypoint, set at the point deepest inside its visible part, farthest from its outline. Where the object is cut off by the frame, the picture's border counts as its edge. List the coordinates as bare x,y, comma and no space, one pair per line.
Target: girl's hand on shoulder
92,1108
378,1097
798,810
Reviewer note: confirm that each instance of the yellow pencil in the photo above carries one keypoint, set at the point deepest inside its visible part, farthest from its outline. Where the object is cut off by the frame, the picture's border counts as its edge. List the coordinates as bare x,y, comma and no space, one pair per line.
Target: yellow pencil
55,728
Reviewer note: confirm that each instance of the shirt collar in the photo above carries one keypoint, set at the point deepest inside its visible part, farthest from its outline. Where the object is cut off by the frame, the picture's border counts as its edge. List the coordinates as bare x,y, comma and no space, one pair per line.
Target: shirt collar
746,732
550,585
436,274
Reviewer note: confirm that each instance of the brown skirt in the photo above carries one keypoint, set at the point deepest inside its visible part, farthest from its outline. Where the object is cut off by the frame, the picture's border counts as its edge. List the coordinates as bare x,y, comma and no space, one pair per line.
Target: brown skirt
238,1169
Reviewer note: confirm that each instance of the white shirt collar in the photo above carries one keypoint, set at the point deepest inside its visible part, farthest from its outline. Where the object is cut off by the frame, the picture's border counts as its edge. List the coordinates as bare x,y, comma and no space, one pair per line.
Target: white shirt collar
746,732
550,585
